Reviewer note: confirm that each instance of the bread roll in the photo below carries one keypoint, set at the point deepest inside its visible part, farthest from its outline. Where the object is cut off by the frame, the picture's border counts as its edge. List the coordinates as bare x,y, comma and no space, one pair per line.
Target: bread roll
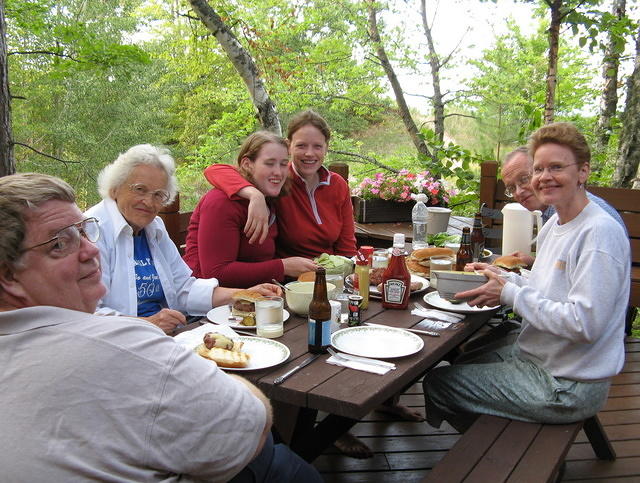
224,357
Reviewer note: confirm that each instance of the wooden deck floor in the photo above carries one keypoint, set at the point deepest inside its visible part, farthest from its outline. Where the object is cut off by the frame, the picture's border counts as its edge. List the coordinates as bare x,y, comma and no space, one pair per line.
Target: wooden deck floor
406,451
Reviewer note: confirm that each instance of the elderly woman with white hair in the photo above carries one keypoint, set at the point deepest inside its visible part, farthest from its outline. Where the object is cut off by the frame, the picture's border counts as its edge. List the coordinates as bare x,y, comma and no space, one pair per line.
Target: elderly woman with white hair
141,266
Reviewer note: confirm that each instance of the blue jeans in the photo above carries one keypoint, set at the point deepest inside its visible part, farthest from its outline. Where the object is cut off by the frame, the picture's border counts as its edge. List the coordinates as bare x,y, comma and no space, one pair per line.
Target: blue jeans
277,463
497,382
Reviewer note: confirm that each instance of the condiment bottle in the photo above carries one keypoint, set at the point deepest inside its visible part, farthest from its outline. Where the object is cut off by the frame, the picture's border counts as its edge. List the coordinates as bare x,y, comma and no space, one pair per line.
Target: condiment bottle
465,254
419,221
362,276
319,315
477,238
396,280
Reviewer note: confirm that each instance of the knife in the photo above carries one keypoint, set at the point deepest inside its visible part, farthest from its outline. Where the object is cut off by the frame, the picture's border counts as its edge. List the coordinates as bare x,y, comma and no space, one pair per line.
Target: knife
288,374
415,331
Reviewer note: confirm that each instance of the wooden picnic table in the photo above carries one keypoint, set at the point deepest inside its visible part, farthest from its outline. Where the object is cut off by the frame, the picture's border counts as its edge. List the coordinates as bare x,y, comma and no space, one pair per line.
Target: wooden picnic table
344,394
381,234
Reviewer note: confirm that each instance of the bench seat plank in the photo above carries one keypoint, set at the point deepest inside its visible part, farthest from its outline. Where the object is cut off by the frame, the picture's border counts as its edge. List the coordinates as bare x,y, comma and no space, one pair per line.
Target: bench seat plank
468,451
551,443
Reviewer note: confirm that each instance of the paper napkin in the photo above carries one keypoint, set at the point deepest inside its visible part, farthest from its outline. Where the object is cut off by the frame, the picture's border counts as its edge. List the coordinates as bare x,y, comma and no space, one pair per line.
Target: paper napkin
361,363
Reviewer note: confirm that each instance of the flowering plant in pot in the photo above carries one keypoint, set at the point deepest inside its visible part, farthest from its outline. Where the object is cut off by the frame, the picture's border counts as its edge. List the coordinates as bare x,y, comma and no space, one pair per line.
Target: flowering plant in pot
387,196
399,186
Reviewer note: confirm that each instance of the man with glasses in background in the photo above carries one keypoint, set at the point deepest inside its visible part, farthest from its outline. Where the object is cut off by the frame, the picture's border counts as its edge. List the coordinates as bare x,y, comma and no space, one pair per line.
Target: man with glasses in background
516,173
87,397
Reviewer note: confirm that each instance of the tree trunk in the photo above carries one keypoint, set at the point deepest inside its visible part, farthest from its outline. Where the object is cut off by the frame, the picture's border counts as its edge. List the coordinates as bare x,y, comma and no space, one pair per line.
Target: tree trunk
409,123
552,69
609,99
243,63
7,161
629,146
434,62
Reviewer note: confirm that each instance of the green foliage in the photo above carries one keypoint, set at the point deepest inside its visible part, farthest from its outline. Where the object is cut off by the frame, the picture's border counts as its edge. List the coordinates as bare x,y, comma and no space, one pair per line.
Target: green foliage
508,92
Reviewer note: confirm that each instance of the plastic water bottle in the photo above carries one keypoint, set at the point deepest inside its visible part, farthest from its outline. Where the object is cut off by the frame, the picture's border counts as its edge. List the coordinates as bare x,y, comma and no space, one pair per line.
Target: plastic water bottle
419,221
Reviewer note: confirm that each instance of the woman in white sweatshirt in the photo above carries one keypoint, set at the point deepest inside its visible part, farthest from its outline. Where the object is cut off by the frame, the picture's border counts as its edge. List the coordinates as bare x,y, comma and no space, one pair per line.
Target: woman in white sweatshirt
572,305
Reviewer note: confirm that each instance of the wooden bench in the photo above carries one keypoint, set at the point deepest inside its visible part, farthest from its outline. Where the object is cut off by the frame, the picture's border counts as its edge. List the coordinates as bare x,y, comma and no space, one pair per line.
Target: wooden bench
497,450
625,201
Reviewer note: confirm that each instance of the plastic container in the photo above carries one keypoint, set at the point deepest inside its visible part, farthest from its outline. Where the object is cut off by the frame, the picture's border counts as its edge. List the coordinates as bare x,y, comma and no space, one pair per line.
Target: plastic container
517,228
419,216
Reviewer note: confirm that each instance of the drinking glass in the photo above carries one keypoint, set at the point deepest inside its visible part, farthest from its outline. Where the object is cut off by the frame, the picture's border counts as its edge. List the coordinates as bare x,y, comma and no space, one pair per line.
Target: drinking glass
380,258
269,317
439,262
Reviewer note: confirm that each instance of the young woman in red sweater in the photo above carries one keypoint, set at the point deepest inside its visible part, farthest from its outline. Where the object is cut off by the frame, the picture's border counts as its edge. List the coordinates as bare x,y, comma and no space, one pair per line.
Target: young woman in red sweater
216,243
317,216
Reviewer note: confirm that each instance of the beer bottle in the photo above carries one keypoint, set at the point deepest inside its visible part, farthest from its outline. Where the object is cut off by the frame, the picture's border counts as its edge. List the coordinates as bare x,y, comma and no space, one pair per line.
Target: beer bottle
319,315
396,280
477,238
464,252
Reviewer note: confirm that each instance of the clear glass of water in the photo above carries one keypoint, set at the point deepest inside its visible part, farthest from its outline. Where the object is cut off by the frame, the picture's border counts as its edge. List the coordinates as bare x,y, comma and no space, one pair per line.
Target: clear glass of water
269,317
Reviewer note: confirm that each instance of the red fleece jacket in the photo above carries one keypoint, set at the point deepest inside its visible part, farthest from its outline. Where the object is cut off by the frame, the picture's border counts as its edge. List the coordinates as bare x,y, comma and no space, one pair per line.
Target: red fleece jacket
309,224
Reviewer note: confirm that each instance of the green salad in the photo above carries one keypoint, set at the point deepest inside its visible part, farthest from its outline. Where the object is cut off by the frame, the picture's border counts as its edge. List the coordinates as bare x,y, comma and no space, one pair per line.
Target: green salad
440,239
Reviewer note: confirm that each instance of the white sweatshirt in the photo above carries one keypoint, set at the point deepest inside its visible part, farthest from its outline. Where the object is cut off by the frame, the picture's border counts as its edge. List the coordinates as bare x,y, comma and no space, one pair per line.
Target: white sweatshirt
574,303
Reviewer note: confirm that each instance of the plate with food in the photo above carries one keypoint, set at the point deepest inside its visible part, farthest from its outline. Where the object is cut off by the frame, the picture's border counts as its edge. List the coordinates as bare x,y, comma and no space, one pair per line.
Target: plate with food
242,314
418,284
376,341
434,299
242,353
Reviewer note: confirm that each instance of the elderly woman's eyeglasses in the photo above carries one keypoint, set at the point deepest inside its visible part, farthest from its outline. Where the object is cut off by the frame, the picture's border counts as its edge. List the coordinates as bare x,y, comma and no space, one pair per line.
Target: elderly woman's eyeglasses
553,168
158,196
522,183
67,240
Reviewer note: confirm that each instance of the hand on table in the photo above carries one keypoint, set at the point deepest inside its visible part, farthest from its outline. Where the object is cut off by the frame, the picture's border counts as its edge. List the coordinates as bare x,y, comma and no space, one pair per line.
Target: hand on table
167,319
528,259
487,294
267,289
294,266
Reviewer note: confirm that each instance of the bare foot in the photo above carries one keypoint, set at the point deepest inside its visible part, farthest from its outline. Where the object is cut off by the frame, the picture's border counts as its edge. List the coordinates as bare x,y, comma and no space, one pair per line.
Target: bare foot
403,412
351,446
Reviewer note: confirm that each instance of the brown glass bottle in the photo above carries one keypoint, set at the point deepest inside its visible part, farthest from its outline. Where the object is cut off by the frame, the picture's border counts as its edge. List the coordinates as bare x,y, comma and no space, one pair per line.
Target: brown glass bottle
464,255
477,238
319,315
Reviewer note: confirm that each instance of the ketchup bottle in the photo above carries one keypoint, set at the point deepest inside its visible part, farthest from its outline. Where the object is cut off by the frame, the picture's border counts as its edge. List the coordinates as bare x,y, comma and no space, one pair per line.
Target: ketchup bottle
396,280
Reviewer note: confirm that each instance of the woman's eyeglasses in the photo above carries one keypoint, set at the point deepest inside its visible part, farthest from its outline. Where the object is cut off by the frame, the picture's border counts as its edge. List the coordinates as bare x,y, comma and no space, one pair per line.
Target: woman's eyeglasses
67,240
522,183
158,196
553,168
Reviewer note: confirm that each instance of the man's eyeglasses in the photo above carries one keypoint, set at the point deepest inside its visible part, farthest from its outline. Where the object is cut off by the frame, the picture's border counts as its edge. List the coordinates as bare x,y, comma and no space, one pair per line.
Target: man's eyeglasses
553,168
67,240
522,183
158,196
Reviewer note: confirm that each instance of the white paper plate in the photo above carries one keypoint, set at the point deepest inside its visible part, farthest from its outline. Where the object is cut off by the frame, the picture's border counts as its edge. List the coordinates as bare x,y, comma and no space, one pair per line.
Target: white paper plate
220,315
263,353
432,298
376,342
374,293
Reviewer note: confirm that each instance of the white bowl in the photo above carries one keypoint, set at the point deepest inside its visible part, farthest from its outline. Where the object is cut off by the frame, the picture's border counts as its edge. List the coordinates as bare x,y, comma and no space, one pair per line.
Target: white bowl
451,282
299,295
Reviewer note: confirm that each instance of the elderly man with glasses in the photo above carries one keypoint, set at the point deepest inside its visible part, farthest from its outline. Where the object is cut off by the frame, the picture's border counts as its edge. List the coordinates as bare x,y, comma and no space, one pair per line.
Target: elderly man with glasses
516,173
87,397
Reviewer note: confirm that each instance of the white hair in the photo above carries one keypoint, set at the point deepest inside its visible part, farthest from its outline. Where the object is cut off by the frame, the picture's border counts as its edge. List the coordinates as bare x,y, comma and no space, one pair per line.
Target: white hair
116,173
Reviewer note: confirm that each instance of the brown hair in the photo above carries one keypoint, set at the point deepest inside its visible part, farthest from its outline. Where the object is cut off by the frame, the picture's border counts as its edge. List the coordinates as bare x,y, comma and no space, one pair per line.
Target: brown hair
306,118
565,134
251,148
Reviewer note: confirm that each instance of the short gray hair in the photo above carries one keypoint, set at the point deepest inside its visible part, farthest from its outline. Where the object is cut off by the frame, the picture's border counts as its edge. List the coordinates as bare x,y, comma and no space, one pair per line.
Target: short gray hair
18,194
116,173
514,153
